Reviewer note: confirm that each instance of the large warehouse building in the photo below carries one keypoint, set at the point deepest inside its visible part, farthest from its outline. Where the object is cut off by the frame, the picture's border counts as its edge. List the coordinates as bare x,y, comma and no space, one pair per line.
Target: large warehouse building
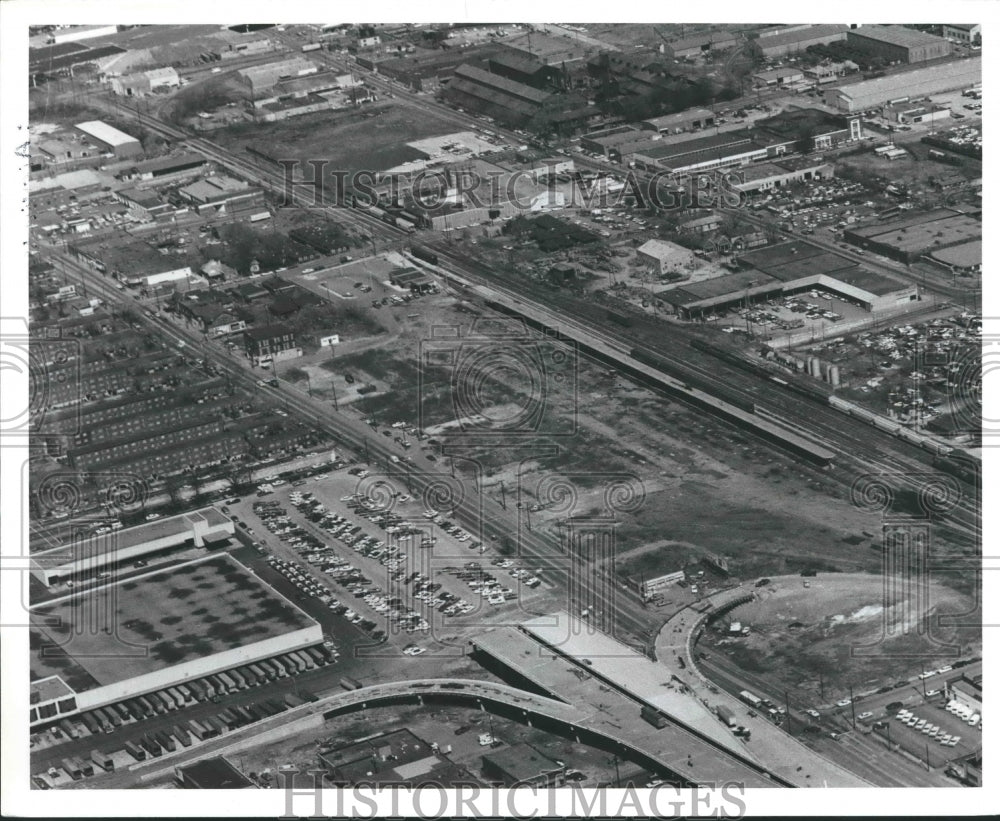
911,237
99,552
898,43
110,139
793,39
148,633
789,268
920,82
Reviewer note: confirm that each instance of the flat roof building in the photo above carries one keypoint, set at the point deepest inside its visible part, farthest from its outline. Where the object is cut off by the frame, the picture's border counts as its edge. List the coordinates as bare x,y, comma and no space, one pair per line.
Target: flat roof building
793,39
964,258
111,139
216,773
911,237
690,120
260,80
522,764
919,82
662,256
145,633
493,94
898,43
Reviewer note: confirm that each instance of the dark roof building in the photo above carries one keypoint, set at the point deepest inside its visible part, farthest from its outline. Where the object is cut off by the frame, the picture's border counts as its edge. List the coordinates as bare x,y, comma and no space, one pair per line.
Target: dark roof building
213,774
898,43
495,95
523,764
525,68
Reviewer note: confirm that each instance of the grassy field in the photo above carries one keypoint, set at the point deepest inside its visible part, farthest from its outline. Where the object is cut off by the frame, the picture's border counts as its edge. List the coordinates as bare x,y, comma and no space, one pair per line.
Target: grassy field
373,137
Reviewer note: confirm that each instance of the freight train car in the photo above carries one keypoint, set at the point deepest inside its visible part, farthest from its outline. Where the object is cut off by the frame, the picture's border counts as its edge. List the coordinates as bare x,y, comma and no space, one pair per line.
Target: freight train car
424,254
694,380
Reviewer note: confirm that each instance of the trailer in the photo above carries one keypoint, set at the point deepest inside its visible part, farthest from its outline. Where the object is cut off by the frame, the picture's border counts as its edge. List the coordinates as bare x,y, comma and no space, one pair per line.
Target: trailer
653,716
91,723
349,683
152,745
185,692
312,46
248,676
135,708
147,706
198,690
750,698
182,735
103,760
167,699
305,662
270,669
72,769
110,718
726,716
179,698
69,728
241,683
165,740
229,681
218,684
316,655
198,730
158,704
245,713
134,750
258,671
293,700
405,225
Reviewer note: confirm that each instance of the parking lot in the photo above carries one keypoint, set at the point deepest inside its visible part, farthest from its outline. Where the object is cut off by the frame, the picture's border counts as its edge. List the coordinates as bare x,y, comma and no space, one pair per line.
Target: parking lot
931,732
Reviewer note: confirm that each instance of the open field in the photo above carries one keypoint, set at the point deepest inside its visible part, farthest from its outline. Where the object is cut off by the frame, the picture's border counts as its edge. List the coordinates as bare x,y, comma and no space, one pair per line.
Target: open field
370,138
848,629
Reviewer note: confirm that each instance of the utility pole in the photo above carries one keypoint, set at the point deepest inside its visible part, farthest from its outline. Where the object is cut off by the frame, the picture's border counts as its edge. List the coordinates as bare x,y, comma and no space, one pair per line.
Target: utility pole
788,714
854,722
503,495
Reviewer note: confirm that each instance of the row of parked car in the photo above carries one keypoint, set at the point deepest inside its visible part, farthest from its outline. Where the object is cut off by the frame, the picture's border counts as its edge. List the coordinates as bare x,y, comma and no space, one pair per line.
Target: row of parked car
932,731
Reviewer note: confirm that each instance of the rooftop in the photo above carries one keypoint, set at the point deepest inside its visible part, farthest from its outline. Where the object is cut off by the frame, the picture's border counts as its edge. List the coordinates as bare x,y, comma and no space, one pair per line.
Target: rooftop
522,761
187,612
215,774
957,69
897,35
680,118
966,255
495,81
796,34
105,133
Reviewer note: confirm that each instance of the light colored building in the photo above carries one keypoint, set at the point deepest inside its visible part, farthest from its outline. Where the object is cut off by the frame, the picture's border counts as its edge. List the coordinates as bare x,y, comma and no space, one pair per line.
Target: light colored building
110,139
962,32
661,256
261,79
905,85
74,34
768,176
778,77
691,120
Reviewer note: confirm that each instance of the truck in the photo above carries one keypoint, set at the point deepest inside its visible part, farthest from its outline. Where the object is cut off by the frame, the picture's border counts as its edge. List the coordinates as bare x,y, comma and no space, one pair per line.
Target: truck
182,735
72,768
349,683
258,671
653,716
103,760
134,750
726,716
229,681
198,730
750,698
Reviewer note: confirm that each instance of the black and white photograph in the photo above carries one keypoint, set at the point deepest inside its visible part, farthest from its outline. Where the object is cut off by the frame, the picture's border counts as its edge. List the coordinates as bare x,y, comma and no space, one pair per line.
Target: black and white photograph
495,419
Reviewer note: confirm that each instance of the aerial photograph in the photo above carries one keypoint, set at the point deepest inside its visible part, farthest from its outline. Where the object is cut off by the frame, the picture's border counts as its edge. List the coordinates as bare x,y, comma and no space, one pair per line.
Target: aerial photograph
493,405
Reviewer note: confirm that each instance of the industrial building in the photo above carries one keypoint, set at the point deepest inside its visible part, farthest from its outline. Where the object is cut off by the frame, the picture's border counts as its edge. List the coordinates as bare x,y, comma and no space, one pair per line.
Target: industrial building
778,174
822,129
145,82
134,263
661,256
778,77
260,80
898,43
216,773
478,90
793,39
164,167
688,47
218,191
707,153
427,70
614,143
110,139
73,34
907,113
966,258
915,235
525,68
905,85
520,765
693,119
785,269
98,552
145,633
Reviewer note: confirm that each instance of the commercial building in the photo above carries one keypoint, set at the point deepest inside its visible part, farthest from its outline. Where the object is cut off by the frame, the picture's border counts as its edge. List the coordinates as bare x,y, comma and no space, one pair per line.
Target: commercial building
522,765
693,119
150,632
98,552
649,588
134,263
273,343
522,67
110,139
397,758
143,205
905,85
907,113
702,153
911,237
427,70
215,773
962,32
811,129
793,39
785,269
898,43
145,82
778,77
778,174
